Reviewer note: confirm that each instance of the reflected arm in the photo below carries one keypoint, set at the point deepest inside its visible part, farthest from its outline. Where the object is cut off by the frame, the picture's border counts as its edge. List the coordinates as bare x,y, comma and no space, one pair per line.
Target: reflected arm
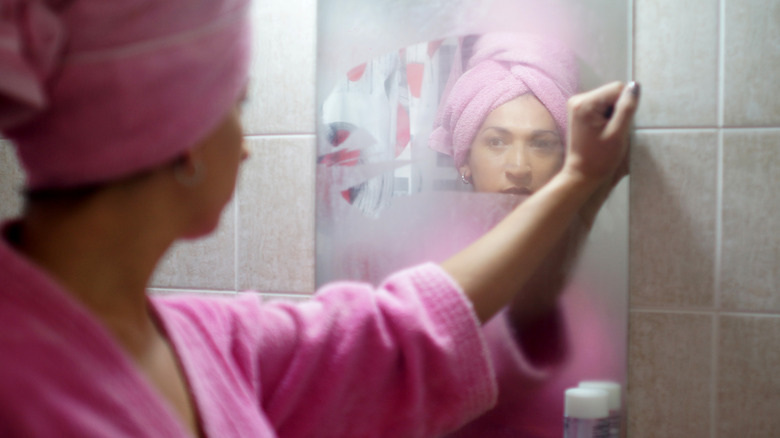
496,266
543,289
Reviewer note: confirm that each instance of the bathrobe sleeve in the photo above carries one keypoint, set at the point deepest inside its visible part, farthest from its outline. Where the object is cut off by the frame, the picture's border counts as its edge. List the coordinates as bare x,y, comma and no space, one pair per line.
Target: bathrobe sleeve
405,359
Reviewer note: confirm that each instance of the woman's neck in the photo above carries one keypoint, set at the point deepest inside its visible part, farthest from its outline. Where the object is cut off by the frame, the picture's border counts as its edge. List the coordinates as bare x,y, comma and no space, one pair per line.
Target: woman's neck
103,251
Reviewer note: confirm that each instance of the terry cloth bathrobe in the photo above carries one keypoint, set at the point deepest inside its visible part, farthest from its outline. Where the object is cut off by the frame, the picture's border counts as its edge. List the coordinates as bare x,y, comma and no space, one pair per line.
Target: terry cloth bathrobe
403,360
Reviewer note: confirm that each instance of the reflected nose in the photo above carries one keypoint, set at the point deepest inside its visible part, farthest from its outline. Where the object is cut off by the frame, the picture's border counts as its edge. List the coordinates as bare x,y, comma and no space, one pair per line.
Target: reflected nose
518,167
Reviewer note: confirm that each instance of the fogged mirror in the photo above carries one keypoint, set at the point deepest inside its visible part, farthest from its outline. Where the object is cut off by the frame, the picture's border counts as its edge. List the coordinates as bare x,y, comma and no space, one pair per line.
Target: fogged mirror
435,119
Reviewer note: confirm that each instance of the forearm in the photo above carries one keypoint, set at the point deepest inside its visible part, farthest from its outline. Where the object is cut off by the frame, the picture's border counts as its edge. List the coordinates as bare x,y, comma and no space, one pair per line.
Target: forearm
499,264
540,294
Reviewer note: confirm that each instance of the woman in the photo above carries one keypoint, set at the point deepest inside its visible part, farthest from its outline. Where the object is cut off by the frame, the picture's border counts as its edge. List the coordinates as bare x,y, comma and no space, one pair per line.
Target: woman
105,106
503,121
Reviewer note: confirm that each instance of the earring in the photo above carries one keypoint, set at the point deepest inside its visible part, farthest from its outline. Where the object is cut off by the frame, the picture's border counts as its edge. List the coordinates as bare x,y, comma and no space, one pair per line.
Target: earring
464,179
190,179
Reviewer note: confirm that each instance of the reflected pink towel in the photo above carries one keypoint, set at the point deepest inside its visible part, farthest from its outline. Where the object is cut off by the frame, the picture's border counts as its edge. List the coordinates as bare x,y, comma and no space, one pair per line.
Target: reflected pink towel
503,66
94,91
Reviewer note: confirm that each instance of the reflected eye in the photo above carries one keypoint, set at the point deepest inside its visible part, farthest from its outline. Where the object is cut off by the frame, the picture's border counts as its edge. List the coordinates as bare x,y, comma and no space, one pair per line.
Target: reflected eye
495,141
546,145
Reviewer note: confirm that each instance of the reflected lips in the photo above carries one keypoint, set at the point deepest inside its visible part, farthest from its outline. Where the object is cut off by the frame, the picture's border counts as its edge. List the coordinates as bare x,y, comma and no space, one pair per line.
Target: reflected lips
517,191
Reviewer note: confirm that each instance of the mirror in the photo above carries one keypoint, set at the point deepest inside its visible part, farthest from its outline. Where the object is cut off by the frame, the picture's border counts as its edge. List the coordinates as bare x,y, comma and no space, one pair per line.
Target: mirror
435,119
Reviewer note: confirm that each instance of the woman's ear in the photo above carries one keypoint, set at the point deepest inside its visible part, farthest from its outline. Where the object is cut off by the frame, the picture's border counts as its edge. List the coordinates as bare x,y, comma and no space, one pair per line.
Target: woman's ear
465,171
189,169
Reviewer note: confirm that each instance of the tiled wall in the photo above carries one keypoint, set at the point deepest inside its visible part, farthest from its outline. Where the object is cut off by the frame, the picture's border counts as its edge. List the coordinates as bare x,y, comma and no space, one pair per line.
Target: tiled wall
705,213
266,237
265,240
704,354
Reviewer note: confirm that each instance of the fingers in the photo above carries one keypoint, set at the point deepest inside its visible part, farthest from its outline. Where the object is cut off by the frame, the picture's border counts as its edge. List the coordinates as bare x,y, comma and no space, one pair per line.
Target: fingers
611,107
625,107
599,122
596,107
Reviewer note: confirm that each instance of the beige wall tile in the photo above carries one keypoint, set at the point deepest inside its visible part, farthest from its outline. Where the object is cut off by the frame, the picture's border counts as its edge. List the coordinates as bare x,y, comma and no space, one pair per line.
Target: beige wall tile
751,221
748,378
276,215
675,59
206,263
281,89
672,219
752,62
670,366
11,182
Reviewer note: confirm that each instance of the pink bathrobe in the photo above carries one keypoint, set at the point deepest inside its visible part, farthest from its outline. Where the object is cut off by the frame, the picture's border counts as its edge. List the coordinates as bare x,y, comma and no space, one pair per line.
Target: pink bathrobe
406,359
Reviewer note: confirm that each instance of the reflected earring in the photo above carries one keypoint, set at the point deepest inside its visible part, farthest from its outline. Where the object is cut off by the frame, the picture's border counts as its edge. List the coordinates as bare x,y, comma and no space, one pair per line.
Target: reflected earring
464,179
190,178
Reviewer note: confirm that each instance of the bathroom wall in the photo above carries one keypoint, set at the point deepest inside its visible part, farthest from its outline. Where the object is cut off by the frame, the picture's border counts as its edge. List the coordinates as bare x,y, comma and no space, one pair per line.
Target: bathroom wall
705,216
705,220
266,237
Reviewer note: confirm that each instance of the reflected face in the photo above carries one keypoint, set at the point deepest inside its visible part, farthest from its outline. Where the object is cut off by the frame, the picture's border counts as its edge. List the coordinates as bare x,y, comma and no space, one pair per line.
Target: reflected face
517,149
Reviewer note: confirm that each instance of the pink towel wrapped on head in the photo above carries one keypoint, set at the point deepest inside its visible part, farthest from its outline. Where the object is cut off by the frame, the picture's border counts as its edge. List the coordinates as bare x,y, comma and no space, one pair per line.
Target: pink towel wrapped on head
95,91
503,66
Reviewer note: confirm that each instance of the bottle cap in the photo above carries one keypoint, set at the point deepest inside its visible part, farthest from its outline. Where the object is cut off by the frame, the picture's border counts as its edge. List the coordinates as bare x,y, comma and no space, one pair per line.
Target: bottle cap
612,388
586,403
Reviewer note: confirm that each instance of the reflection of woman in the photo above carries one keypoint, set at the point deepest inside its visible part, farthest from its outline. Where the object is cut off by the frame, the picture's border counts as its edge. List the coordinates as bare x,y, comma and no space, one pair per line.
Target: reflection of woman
503,121
105,105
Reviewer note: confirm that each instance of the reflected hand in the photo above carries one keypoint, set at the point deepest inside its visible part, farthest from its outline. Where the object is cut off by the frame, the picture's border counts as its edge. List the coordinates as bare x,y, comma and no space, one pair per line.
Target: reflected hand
599,123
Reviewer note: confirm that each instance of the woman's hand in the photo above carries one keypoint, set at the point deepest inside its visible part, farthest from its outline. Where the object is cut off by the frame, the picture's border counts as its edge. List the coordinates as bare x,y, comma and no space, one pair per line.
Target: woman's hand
599,123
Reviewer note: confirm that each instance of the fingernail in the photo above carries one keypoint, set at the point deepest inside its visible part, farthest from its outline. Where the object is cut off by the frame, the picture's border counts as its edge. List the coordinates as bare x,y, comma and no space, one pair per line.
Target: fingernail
635,89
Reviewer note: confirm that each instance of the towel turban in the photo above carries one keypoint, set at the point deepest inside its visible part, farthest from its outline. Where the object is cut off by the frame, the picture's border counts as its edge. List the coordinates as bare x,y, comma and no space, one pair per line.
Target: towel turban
92,90
503,66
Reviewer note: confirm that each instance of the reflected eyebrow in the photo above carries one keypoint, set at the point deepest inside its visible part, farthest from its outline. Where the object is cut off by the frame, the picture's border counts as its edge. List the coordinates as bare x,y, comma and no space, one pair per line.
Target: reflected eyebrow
535,133
543,132
496,128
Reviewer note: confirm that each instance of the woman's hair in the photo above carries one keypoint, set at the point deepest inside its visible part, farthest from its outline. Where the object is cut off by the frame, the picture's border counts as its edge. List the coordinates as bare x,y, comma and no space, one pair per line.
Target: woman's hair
497,68
91,92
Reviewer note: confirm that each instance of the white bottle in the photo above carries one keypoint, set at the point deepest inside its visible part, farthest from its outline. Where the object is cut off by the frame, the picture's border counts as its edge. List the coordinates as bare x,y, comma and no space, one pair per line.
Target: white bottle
613,403
586,413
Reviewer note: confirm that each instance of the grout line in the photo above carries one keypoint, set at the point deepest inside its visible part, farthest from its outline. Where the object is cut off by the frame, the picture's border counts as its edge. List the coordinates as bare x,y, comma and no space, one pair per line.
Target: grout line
313,229
714,377
291,295
631,27
627,326
717,283
719,166
750,313
675,128
718,218
693,311
189,290
708,128
721,63
751,128
674,311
